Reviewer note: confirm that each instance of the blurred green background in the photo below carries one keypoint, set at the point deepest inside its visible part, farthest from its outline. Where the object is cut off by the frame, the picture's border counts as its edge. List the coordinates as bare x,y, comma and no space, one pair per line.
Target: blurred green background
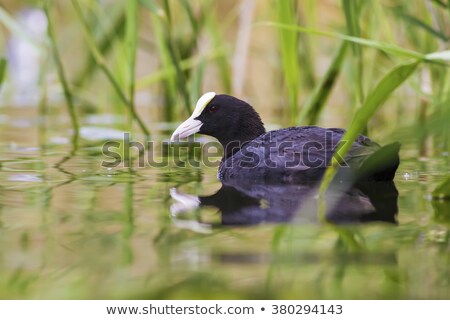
158,57
74,74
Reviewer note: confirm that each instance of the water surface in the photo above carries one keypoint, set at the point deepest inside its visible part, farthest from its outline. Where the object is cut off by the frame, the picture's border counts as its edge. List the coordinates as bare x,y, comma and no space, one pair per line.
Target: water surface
70,228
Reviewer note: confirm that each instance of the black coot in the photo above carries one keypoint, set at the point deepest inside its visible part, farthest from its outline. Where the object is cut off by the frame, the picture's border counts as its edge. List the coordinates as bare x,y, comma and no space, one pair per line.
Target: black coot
286,154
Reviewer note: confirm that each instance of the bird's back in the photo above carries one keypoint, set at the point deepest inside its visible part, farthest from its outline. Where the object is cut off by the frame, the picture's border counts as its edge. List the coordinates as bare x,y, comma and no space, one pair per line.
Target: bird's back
296,151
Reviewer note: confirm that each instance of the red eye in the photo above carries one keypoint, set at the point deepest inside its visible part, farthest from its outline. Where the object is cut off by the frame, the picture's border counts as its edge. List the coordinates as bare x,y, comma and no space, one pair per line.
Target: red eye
213,108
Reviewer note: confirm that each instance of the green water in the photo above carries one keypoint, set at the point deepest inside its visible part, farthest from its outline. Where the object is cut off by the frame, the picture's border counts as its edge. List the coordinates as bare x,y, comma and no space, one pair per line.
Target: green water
71,229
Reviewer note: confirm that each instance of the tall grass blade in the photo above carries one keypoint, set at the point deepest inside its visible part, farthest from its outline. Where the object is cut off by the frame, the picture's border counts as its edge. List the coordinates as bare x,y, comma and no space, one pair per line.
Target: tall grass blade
180,76
167,10
434,124
242,45
101,61
186,64
448,7
159,23
352,10
218,41
306,57
195,23
62,76
374,100
442,191
416,22
153,7
197,81
170,55
131,35
3,65
349,239
179,50
440,57
128,223
440,3
104,43
382,46
285,10
315,104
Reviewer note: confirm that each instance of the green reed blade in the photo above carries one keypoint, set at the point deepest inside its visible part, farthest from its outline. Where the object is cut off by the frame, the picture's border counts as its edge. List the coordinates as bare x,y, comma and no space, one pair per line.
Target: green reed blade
195,23
289,53
352,12
374,100
105,43
3,64
131,35
101,62
416,22
169,70
440,3
166,6
442,191
159,24
169,53
153,7
316,102
214,25
385,47
61,75
180,76
197,81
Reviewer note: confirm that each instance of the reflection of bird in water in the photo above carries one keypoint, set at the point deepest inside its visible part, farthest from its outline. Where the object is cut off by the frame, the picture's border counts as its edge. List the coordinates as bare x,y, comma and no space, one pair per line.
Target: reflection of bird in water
246,203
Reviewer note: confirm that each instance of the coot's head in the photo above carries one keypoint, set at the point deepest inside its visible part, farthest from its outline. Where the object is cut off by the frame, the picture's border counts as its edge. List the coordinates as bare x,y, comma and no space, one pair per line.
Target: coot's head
226,118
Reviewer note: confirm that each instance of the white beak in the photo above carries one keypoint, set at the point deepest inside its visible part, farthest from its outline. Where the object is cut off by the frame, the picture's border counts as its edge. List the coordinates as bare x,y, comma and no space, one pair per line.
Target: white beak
187,128
191,126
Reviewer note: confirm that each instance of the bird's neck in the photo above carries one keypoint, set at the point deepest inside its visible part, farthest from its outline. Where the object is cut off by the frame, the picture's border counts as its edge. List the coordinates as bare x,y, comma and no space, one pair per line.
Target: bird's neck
233,141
